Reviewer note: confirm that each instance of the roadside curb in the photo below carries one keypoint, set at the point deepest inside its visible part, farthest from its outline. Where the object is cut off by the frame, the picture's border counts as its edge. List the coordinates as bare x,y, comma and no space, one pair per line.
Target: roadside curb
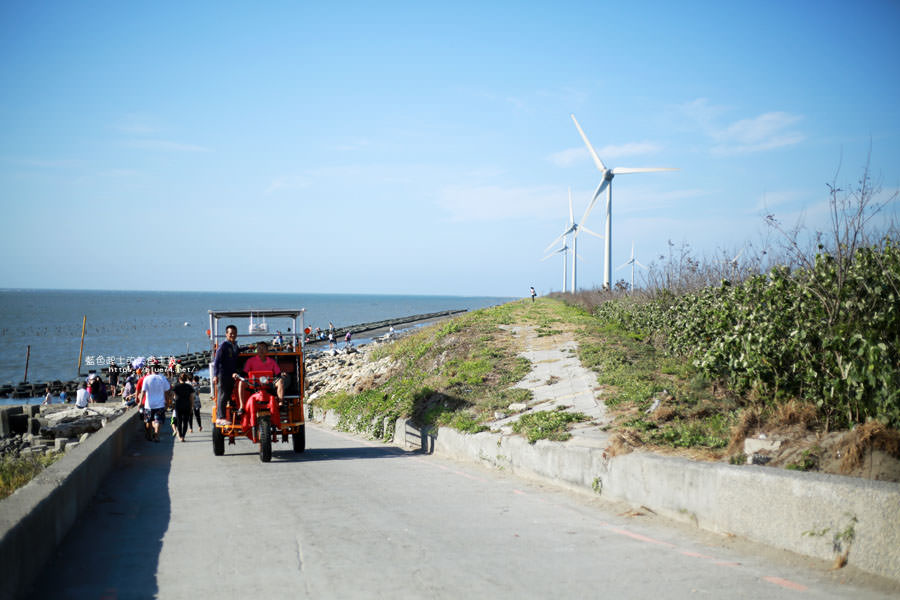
812,514
35,519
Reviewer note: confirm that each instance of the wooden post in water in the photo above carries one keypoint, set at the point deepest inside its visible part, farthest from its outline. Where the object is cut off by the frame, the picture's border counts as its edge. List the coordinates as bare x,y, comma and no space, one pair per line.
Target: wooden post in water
81,351
27,358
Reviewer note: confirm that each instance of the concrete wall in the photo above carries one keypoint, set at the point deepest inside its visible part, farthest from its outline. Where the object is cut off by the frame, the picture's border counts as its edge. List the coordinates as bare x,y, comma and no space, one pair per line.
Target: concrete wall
796,511
36,518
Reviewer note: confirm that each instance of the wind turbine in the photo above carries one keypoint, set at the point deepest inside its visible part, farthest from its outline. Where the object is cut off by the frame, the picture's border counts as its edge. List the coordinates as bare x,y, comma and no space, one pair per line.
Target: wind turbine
606,184
733,262
564,250
573,227
632,261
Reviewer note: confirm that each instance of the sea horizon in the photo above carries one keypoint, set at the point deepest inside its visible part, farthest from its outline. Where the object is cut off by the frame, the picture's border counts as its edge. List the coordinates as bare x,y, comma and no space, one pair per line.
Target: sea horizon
125,323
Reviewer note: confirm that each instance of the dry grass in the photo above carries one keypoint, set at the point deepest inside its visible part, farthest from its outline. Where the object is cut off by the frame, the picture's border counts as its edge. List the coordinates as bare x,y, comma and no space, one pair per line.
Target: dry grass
794,412
752,419
864,439
623,442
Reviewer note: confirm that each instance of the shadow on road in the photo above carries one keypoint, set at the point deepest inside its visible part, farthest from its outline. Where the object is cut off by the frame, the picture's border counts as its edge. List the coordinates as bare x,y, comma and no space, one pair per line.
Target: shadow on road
113,549
349,453
284,453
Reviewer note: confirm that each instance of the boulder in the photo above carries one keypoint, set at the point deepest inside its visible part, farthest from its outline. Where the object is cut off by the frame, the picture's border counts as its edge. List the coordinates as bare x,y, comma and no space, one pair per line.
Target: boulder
80,427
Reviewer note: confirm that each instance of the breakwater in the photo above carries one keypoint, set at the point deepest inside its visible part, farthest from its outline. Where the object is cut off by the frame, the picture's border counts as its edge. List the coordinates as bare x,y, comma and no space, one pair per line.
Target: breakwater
197,361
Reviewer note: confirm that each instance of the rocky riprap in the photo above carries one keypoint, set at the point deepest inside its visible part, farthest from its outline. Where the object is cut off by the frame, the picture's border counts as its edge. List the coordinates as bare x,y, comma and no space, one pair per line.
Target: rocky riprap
34,429
348,370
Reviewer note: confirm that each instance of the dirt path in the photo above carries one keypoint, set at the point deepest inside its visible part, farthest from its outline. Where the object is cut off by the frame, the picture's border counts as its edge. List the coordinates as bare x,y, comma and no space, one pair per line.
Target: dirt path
557,379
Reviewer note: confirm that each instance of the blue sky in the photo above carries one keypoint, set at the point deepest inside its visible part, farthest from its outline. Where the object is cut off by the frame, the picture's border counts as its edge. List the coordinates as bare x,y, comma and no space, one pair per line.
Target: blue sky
420,149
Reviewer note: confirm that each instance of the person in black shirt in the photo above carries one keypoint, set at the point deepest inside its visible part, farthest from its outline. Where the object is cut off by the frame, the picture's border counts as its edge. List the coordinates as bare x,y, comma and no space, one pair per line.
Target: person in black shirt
225,372
184,393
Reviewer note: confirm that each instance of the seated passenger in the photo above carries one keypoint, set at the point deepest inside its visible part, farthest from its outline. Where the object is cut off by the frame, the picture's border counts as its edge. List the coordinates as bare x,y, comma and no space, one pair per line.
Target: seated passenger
262,362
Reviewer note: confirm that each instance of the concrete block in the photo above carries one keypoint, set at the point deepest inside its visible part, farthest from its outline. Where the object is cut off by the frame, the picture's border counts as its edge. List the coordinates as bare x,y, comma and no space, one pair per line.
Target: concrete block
34,426
18,423
84,437
754,445
59,444
5,430
31,409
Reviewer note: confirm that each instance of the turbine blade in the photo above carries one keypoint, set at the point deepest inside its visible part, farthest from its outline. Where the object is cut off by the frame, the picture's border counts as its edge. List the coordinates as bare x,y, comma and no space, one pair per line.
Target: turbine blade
593,201
625,265
587,142
621,170
553,243
593,233
638,263
555,252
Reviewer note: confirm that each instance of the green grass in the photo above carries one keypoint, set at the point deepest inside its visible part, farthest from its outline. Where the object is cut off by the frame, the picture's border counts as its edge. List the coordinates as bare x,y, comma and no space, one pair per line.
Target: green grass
459,372
547,425
17,471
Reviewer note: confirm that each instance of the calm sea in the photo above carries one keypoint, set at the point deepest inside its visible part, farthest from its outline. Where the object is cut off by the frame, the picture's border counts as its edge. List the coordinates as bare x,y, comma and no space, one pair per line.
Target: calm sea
127,324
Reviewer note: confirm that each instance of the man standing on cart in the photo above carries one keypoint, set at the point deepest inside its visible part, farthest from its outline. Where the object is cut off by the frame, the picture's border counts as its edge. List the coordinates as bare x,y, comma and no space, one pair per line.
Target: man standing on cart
225,372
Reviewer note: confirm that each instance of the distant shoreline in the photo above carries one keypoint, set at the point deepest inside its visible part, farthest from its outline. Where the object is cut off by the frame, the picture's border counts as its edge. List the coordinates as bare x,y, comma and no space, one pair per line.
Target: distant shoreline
12,394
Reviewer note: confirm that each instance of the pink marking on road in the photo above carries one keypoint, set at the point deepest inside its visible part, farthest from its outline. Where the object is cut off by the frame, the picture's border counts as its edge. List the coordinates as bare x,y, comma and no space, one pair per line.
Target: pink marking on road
641,538
786,583
725,563
695,554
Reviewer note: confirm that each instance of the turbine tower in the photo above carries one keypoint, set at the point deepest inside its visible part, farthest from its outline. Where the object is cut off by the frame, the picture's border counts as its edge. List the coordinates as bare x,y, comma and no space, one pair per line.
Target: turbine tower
606,184
632,261
564,250
573,227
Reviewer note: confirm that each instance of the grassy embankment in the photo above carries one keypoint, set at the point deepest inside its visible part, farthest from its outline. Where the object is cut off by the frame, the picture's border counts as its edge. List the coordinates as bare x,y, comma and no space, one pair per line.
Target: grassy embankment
458,373
814,349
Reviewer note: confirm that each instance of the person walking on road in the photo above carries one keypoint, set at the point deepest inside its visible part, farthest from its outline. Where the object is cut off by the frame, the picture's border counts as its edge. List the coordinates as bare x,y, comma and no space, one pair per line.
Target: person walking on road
184,405
195,413
154,393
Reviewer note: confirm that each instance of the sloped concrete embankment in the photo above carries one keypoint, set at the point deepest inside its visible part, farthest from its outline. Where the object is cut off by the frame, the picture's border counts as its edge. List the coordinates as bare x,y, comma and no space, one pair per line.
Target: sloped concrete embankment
811,514
35,519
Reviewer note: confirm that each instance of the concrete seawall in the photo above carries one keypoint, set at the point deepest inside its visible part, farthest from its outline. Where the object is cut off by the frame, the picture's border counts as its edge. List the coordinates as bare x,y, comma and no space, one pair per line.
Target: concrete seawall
812,514
35,519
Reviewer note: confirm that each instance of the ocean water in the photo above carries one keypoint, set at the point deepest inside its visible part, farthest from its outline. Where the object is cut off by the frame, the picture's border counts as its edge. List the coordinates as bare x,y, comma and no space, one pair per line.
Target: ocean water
124,324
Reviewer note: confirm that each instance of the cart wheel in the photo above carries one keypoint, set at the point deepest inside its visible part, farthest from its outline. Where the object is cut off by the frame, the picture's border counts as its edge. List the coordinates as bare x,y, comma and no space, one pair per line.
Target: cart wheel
299,439
265,440
218,441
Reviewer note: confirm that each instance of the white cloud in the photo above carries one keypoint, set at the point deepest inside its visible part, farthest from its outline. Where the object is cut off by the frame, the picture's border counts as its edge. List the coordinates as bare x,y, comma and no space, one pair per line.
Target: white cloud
579,154
137,124
165,146
770,200
629,149
353,145
567,158
494,203
288,182
767,131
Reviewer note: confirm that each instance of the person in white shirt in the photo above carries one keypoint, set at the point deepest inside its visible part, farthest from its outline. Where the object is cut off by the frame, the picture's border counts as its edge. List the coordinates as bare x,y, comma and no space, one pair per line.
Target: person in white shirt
154,393
82,397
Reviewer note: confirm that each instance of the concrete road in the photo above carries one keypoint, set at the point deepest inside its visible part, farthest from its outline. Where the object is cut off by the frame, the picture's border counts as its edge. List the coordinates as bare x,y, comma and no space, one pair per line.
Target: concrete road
353,519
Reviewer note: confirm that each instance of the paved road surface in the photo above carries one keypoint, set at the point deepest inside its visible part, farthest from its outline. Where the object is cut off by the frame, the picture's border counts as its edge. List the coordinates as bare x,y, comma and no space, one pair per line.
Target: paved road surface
352,519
